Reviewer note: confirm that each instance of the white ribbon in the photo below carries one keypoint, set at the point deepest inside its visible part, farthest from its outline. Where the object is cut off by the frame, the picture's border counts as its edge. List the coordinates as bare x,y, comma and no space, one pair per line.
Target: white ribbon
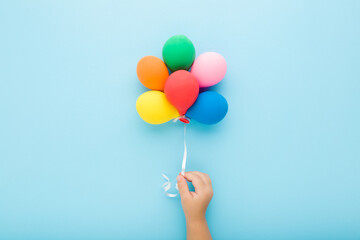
167,185
185,153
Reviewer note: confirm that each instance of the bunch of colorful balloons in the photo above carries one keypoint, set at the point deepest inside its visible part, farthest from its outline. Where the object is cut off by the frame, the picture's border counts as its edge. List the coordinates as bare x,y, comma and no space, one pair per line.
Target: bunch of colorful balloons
176,95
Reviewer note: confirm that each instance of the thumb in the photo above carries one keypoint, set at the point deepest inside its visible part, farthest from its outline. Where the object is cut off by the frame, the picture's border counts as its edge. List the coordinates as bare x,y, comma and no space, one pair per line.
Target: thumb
183,187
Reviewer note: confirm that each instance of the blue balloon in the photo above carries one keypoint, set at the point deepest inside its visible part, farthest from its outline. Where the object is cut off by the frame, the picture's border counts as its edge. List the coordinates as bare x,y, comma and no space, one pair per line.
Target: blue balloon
210,108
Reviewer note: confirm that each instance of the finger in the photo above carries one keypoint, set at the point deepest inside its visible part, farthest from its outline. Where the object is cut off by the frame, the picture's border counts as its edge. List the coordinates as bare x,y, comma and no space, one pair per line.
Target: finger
196,180
205,177
183,187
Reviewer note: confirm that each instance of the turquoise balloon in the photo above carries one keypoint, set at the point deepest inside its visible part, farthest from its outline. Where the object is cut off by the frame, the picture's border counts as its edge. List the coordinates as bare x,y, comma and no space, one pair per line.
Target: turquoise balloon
210,108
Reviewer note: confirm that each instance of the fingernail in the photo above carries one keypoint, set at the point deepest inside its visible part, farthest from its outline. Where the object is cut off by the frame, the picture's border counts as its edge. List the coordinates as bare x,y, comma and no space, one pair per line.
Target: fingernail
178,178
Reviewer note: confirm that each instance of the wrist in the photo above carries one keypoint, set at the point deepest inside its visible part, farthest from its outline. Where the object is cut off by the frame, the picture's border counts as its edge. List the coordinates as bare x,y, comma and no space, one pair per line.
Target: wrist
196,219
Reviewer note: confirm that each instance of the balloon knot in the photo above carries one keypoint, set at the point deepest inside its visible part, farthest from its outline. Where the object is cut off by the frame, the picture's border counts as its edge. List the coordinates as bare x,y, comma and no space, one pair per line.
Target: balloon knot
184,119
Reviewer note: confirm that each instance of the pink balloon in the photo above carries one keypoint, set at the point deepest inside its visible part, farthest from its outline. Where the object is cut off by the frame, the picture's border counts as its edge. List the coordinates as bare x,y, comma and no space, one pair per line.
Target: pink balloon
209,68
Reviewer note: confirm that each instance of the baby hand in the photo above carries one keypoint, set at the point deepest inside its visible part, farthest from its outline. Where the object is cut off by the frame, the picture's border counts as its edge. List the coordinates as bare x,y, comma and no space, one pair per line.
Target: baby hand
195,203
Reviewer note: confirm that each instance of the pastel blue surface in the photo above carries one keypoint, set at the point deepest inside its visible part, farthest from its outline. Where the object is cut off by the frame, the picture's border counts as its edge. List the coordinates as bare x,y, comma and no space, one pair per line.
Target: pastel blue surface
209,108
76,161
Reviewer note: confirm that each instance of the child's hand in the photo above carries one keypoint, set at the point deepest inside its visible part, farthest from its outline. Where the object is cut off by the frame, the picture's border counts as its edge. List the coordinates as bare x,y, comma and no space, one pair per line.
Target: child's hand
195,203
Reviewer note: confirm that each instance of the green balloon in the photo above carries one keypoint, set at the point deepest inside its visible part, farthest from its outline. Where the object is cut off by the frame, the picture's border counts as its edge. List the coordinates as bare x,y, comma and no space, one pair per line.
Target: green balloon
178,53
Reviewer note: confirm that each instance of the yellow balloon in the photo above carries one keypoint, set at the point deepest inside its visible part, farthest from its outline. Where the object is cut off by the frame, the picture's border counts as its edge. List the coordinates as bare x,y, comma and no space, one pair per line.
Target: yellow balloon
154,108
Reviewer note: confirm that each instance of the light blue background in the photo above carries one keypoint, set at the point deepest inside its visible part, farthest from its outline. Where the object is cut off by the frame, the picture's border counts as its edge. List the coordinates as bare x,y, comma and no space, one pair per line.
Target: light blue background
76,161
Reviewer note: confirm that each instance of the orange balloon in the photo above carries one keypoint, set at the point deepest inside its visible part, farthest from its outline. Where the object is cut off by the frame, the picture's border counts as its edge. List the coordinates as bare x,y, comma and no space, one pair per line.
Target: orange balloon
152,72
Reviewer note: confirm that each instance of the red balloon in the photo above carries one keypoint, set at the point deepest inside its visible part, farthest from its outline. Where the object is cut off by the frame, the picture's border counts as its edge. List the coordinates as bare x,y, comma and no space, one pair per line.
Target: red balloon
181,90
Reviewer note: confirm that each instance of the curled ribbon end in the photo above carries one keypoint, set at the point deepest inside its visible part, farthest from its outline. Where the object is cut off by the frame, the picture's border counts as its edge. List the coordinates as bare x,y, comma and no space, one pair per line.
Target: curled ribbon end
167,186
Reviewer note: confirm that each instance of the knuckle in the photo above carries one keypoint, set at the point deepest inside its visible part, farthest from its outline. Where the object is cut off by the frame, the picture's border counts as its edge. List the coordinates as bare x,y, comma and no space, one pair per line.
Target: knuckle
208,177
211,191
